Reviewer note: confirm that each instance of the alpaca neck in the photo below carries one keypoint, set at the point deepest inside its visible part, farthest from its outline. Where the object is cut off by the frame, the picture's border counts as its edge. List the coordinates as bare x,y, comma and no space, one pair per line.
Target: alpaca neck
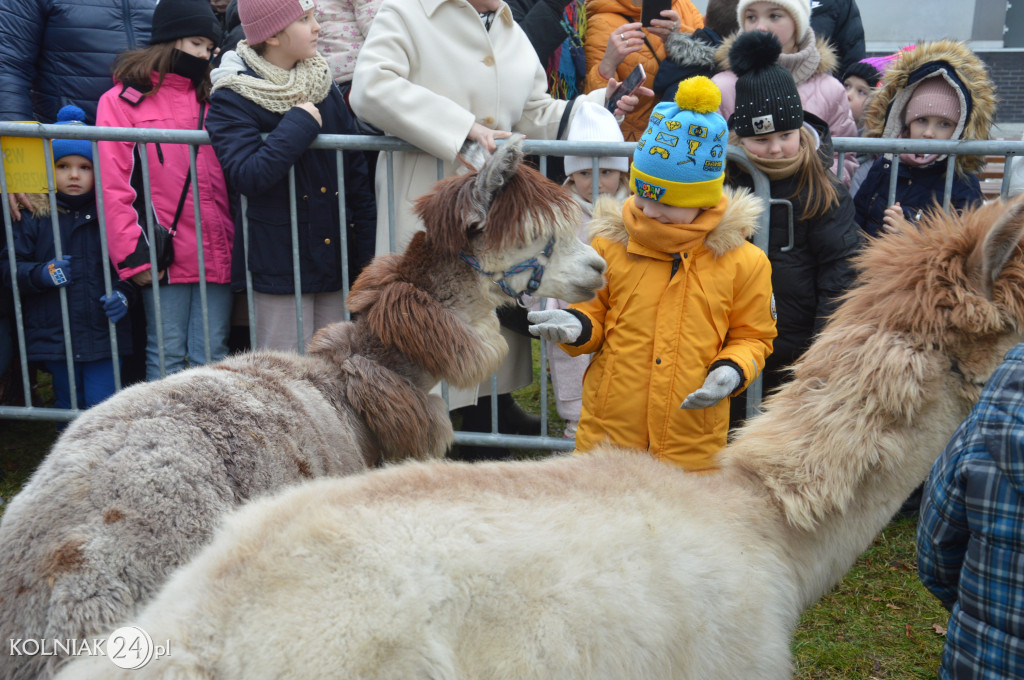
826,514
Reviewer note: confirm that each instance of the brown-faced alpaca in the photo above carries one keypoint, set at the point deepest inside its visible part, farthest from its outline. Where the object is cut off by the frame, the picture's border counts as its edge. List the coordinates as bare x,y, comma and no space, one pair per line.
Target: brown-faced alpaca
613,565
136,485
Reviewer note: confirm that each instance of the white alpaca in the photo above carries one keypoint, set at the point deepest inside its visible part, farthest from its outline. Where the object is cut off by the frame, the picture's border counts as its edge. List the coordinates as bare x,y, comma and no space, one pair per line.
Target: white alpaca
613,565
135,486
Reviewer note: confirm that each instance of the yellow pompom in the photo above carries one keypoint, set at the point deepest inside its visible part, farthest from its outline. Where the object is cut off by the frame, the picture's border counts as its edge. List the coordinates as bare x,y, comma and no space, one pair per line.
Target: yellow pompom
698,94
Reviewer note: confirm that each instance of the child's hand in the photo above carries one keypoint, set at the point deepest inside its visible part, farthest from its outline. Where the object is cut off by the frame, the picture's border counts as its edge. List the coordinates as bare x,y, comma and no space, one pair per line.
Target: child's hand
667,25
719,384
53,274
555,325
115,306
485,136
893,219
310,108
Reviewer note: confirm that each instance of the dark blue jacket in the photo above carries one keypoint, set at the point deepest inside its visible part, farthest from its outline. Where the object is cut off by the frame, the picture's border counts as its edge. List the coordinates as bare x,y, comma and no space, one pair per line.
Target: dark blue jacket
839,22
917,190
970,538
58,52
258,168
44,330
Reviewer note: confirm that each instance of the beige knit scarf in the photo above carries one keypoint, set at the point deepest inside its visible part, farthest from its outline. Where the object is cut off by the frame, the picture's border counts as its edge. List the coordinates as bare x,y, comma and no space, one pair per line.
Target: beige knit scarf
278,90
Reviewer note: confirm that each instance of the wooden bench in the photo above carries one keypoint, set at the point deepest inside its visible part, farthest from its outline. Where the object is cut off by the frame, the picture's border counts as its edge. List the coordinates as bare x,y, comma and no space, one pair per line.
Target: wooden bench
991,176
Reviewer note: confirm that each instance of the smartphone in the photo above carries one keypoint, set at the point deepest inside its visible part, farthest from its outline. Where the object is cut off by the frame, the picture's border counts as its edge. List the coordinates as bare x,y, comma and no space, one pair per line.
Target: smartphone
634,80
651,9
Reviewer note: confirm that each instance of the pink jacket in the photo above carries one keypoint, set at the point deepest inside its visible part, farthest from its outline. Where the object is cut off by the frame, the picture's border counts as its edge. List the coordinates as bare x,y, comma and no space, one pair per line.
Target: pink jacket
174,106
821,93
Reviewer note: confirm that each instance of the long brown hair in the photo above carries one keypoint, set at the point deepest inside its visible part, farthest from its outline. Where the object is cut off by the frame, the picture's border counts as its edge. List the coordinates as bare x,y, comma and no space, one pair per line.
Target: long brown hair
814,180
137,66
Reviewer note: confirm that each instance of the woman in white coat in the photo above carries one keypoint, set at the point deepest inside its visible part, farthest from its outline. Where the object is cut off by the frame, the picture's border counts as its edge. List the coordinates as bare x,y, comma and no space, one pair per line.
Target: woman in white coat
439,73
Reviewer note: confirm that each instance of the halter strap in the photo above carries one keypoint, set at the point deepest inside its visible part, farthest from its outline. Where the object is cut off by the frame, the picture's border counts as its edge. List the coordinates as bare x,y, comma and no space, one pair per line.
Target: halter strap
533,263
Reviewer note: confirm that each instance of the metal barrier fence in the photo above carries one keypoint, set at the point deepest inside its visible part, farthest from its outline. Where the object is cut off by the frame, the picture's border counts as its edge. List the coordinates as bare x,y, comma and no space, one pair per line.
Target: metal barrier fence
388,145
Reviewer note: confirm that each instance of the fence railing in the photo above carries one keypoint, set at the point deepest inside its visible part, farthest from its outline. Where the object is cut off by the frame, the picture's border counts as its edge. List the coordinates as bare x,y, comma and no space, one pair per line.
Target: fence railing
388,145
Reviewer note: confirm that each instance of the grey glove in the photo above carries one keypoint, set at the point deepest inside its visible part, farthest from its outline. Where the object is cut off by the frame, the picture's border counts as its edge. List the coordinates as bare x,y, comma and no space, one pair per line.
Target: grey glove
555,325
719,384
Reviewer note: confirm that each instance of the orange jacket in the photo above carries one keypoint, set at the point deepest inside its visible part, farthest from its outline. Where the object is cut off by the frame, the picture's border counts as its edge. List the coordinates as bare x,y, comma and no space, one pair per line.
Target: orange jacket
655,334
606,16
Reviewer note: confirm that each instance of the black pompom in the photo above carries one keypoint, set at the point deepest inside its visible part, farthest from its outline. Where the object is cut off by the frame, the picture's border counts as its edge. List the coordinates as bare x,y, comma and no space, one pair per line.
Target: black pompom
752,51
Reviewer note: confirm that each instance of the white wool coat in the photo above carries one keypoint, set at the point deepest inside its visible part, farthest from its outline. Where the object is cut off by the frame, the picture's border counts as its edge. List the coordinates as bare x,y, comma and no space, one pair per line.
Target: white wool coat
428,70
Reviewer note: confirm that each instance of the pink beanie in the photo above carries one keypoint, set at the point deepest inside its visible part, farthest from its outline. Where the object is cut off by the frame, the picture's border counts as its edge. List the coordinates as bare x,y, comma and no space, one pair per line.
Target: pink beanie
262,19
934,97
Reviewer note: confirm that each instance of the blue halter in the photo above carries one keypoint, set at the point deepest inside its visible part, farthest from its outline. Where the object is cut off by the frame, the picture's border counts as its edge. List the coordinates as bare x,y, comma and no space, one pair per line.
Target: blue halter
533,263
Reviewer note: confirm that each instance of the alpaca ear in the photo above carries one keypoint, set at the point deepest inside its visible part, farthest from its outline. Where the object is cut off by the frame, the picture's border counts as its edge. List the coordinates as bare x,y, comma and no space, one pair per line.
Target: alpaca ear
494,176
991,255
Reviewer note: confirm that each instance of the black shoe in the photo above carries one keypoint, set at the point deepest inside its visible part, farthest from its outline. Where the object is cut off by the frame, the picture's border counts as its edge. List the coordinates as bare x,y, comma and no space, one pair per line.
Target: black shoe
514,420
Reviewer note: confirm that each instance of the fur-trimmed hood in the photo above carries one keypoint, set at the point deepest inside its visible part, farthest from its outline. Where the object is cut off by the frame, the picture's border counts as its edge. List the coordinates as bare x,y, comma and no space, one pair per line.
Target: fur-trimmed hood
828,62
695,49
969,76
739,223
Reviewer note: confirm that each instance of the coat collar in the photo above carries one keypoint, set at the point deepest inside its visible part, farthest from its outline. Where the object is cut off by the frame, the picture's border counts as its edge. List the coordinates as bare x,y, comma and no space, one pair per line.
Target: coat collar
740,221
431,6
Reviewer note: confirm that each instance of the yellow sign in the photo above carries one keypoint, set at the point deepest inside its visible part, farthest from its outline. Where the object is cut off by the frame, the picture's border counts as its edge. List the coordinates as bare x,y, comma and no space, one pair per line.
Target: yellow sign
24,164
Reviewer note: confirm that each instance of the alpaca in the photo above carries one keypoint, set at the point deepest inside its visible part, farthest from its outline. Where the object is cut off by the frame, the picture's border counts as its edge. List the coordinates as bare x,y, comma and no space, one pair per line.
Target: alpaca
612,564
135,486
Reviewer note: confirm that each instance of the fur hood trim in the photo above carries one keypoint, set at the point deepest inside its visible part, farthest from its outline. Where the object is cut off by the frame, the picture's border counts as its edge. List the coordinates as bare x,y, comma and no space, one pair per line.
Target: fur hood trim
909,70
684,49
828,64
41,205
742,219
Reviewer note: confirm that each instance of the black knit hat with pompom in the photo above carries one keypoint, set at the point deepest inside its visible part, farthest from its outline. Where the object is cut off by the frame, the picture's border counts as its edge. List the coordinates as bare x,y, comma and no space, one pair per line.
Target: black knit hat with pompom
766,96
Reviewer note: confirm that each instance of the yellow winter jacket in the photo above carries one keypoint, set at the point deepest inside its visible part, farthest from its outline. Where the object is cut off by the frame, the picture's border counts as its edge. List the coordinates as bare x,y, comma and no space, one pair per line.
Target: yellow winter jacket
656,334
604,17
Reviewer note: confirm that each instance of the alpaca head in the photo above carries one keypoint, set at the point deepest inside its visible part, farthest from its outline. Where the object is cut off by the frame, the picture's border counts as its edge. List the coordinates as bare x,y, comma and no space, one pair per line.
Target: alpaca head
898,365
515,227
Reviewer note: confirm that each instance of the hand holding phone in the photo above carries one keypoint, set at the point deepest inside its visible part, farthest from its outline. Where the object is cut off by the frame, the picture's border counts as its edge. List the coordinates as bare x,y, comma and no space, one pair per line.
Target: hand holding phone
651,9
628,86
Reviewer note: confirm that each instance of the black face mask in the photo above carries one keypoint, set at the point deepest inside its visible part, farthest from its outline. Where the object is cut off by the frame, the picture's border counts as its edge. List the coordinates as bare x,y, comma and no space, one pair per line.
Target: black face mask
188,66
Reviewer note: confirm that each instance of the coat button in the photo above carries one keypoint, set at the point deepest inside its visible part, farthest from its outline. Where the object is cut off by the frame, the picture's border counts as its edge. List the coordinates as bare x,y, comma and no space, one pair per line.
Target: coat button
305,197
323,190
488,60
327,241
489,120
658,360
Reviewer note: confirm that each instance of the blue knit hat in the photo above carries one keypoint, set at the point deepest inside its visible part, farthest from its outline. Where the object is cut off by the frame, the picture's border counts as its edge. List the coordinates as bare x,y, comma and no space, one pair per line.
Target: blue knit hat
680,160
71,115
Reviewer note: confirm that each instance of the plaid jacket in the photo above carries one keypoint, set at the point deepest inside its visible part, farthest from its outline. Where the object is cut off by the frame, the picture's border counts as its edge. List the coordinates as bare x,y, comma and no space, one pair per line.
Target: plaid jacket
970,538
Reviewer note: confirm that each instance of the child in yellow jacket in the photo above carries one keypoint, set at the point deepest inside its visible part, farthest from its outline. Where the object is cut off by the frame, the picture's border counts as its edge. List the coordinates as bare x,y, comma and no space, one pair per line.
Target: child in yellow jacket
687,316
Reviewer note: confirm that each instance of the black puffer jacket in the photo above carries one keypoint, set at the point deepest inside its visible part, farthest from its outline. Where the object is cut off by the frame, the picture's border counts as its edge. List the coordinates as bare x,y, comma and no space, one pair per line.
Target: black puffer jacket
807,278
839,22
58,52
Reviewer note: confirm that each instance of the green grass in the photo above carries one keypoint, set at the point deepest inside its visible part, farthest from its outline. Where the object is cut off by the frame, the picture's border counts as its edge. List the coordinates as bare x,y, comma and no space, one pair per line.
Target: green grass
879,623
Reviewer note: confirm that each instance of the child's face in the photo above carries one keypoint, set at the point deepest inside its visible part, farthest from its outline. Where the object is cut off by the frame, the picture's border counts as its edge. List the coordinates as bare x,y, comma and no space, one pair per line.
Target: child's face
769,17
666,214
857,92
296,42
931,127
197,46
607,182
73,175
774,145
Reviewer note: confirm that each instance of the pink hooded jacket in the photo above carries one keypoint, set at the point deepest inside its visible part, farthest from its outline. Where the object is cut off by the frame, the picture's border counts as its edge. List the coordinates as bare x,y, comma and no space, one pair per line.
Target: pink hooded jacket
174,106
